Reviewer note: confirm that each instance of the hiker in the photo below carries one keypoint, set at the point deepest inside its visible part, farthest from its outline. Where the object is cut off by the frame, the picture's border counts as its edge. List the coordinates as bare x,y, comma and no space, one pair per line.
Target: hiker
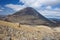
19,25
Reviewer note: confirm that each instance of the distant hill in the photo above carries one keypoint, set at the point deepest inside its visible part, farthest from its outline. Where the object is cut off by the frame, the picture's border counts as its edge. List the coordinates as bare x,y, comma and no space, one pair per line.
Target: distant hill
29,16
2,17
56,20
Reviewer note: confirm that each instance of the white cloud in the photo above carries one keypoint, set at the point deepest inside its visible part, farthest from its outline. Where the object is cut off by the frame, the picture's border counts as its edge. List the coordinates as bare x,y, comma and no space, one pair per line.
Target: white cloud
50,13
37,5
1,10
57,9
34,3
15,7
31,3
49,7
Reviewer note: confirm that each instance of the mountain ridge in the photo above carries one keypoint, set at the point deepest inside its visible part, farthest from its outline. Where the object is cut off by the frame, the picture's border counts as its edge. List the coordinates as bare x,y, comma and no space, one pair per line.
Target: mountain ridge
29,16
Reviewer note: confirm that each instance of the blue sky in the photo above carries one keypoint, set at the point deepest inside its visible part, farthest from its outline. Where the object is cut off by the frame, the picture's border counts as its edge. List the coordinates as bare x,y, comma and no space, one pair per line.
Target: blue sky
48,8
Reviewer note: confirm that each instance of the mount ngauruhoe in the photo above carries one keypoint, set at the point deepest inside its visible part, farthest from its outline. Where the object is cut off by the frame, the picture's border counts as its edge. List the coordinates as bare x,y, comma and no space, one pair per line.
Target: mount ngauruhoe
29,16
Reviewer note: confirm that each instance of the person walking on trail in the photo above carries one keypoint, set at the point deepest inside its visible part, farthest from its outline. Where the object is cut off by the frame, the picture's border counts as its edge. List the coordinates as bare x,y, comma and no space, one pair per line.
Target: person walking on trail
19,25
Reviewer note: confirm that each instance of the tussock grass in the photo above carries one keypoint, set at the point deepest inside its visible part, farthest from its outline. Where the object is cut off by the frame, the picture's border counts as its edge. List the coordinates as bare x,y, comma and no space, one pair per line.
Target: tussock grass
3,23
33,32
25,27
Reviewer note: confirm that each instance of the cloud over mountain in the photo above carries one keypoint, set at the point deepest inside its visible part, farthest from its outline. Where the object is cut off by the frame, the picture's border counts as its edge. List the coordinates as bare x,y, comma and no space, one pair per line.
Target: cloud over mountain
45,7
36,3
15,7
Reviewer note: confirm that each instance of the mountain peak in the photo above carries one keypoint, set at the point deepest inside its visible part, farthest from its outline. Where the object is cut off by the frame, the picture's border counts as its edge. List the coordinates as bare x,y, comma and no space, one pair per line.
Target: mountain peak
28,8
26,11
29,16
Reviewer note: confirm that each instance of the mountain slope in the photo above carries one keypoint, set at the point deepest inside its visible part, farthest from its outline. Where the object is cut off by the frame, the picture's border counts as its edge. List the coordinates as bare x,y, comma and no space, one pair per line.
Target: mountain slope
29,16
2,17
